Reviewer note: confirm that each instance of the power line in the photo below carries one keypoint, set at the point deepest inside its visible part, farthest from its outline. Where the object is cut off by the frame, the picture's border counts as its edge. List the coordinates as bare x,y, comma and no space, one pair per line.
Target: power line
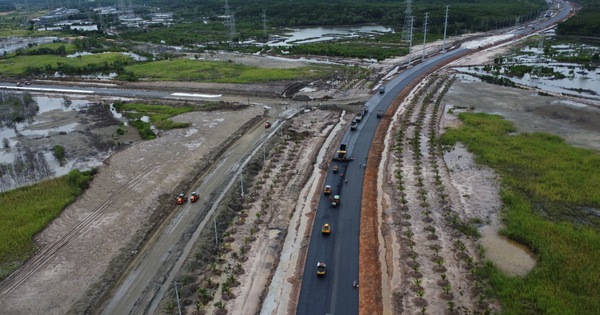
424,35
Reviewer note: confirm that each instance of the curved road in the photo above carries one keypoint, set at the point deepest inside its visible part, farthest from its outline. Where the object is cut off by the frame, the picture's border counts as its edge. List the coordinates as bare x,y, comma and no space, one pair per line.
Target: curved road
333,293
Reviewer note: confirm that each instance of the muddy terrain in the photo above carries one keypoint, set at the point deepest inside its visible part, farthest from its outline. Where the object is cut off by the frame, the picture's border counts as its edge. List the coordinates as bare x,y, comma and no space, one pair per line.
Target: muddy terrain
426,263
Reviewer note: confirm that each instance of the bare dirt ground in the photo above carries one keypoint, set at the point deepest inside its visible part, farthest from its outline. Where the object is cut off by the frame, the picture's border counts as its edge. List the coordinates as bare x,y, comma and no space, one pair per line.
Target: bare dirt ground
426,263
118,207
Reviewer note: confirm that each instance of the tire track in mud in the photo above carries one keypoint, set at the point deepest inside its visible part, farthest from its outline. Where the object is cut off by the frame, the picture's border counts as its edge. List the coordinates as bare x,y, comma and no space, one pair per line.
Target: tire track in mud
49,251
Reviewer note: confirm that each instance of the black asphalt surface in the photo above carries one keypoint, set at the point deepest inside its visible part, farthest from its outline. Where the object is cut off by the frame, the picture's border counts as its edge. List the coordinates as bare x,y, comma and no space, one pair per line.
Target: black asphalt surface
334,293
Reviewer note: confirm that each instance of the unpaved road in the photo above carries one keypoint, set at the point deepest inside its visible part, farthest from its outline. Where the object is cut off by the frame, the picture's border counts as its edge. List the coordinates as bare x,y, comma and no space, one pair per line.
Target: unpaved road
124,202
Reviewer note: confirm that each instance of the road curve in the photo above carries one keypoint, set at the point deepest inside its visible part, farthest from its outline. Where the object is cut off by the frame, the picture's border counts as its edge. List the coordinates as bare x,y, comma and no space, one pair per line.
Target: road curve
334,293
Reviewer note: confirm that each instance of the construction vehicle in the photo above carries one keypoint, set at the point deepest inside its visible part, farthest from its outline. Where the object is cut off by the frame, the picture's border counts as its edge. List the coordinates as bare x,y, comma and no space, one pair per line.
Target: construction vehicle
341,153
194,197
181,199
321,269
335,201
379,113
326,229
327,189
358,117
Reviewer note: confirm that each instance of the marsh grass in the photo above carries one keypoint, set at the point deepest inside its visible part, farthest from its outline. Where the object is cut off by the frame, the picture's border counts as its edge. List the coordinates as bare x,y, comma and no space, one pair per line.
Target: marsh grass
546,186
28,210
158,114
221,71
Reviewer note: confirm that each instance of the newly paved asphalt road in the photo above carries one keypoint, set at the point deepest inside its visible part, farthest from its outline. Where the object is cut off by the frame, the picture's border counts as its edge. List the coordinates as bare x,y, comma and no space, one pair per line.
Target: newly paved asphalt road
334,293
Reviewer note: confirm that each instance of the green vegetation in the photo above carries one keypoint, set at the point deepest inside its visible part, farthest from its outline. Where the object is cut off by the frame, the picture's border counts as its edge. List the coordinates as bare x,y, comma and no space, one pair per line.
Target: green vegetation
349,49
15,108
59,154
49,64
224,72
202,24
550,191
26,211
584,23
157,114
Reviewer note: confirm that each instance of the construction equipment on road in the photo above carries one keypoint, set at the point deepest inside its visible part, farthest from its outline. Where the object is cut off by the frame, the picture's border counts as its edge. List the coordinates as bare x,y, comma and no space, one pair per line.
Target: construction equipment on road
321,269
335,201
181,199
326,229
341,153
194,196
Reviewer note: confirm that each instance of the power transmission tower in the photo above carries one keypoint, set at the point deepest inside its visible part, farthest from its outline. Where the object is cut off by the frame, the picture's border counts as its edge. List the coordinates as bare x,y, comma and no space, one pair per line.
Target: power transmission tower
264,20
410,38
424,35
407,20
229,21
540,56
445,28
232,27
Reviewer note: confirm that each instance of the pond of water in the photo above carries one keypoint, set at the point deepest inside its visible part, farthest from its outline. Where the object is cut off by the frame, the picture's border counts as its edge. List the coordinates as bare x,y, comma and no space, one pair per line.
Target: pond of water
325,33
570,79
40,163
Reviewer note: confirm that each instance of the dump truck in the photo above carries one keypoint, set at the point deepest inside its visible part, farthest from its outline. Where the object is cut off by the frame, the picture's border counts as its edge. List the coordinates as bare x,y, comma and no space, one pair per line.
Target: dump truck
358,117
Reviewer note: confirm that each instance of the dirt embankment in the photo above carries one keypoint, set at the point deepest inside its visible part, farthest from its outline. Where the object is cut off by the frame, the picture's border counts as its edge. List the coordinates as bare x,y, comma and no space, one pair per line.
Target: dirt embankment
238,279
116,208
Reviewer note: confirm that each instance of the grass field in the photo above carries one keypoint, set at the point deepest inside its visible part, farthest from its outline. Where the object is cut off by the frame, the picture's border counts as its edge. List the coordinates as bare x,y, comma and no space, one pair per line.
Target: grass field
28,210
158,115
549,189
18,66
220,71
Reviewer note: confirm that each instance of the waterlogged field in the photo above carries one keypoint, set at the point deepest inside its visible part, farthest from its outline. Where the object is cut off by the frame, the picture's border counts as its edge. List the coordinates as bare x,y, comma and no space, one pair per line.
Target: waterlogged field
221,72
28,210
144,116
551,193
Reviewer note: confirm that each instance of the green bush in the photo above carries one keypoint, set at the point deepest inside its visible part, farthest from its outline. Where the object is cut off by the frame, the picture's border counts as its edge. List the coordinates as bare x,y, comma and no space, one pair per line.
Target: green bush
548,188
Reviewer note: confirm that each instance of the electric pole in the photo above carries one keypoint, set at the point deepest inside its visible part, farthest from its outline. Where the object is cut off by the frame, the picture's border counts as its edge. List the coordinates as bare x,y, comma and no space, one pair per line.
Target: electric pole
445,28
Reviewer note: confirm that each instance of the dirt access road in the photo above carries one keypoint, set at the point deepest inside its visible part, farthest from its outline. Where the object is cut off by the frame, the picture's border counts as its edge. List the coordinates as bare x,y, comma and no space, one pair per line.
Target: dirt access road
125,202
